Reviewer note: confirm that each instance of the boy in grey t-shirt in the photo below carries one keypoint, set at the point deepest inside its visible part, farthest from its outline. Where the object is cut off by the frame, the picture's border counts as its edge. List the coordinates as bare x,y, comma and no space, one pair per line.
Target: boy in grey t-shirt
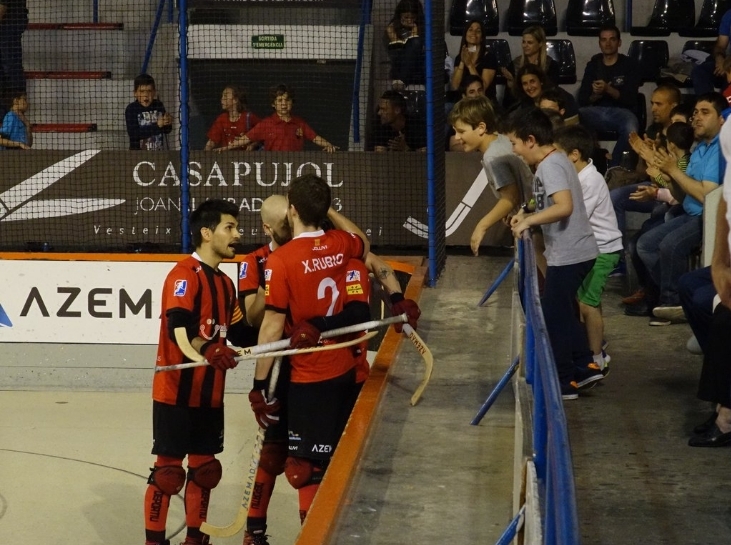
571,248
475,126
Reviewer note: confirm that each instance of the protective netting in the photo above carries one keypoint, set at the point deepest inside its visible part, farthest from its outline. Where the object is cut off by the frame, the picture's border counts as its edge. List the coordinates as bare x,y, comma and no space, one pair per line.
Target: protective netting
215,74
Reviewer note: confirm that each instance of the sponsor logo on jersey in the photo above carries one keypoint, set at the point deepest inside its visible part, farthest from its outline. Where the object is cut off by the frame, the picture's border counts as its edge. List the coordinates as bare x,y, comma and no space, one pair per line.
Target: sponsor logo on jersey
354,289
267,275
322,263
322,448
352,276
244,270
294,437
180,287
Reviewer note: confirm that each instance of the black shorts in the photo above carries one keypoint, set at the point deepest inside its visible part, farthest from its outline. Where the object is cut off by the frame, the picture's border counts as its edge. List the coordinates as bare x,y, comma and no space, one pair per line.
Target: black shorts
318,412
278,432
178,431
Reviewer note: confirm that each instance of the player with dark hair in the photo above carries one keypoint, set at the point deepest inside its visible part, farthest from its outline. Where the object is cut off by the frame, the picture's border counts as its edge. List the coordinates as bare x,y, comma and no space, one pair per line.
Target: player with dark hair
199,300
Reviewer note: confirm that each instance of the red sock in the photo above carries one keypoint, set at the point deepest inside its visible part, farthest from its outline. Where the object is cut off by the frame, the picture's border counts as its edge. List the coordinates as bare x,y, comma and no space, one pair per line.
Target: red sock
263,488
196,498
306,497
156,504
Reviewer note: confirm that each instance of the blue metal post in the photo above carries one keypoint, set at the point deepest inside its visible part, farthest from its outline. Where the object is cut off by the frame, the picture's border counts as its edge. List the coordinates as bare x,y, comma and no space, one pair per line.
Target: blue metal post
153,34
95,12
510,532
529,351
171,10
540,425
430,150
365,19
497,282
496,391
184,124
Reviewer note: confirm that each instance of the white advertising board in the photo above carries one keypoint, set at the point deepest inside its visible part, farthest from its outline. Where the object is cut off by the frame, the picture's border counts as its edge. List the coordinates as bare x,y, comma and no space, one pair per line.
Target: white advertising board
95,302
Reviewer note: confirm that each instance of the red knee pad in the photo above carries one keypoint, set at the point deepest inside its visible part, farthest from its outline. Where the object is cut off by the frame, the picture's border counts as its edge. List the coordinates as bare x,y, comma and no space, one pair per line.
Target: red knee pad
169,479
207,475
273,458
298,471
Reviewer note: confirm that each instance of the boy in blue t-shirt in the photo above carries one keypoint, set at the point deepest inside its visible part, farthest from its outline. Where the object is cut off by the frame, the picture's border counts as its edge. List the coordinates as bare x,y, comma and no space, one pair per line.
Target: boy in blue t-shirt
15,132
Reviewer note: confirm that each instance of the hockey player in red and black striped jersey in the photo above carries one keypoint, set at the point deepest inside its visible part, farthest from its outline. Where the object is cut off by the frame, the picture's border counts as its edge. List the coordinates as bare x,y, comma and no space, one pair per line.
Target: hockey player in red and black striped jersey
188,404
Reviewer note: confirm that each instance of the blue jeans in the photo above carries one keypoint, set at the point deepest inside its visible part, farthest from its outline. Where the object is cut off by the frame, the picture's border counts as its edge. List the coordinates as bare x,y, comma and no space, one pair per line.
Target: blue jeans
622,203
704,80
605,118
696,297
665,249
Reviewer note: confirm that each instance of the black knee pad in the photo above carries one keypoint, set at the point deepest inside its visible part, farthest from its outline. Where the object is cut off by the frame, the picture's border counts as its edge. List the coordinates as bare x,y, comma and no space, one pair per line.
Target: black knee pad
169,479
206,476
273,458
302,472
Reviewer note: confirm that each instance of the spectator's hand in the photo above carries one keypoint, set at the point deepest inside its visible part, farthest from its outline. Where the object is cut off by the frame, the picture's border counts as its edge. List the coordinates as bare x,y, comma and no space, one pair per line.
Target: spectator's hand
653,172
399,305
398,143
477,235
640,146
599,87
644,193
506,74
469,59
304,335
220,356
718,69
664,160
330,148
264,410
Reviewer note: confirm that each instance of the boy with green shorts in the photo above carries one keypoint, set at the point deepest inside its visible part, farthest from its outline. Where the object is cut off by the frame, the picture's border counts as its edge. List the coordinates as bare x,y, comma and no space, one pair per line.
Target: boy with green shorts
577,143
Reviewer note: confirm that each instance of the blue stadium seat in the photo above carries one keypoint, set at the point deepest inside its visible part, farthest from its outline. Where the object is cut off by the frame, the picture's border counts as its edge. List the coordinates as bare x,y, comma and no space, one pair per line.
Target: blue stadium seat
667,16
651,55
463,11
525,13
708,21
586,17
501,49
562,51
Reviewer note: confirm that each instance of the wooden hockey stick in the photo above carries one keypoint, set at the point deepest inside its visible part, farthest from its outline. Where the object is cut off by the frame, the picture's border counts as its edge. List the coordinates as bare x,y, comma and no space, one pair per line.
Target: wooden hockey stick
423,349
192,354
200,362
240,520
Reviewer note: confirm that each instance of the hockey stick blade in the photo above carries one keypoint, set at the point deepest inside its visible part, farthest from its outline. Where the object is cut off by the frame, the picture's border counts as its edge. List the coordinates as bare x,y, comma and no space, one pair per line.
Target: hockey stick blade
426,354
240,520
277,353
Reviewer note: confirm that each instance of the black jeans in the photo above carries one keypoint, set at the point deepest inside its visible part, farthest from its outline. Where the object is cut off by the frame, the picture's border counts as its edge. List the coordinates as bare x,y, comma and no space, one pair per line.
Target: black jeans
568,338
715,382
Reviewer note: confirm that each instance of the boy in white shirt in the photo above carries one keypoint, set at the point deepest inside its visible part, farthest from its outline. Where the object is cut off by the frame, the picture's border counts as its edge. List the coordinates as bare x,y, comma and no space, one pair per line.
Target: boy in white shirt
576,142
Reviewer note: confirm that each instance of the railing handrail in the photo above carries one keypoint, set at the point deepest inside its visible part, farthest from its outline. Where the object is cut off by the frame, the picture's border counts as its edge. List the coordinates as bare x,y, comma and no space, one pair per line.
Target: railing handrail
552,451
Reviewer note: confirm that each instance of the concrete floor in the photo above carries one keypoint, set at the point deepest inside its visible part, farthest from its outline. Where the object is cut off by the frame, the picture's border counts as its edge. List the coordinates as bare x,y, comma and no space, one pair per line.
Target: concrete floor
74,441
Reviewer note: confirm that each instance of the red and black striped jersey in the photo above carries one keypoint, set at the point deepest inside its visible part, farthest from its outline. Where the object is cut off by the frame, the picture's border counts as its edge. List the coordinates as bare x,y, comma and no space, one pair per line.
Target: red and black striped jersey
209,297
357,287
251,273
304,279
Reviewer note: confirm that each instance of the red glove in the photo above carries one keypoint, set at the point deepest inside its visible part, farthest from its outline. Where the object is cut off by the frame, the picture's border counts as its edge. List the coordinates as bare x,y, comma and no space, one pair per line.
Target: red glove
304,335
399,305
220,356
263,410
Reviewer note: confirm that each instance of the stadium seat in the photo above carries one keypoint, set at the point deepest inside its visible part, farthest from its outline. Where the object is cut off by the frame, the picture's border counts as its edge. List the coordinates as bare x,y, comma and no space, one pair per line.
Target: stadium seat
651,56
667,16
562,51
524,13
501,49
708,21
640,112
470,10
586,17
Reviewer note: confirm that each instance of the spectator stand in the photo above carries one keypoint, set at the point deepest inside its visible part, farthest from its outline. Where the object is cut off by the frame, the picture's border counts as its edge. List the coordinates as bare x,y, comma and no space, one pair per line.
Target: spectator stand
463,11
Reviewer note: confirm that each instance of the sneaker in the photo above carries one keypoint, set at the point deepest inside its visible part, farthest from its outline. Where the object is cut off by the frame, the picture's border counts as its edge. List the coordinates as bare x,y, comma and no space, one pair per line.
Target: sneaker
669,312
586,376
255,538
619,270
191,541
570,391
659,322
636,297
607,357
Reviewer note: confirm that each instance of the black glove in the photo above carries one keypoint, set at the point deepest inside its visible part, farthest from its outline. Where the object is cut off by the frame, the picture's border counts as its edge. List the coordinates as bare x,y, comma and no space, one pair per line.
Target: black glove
220,356
304,335
399,305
